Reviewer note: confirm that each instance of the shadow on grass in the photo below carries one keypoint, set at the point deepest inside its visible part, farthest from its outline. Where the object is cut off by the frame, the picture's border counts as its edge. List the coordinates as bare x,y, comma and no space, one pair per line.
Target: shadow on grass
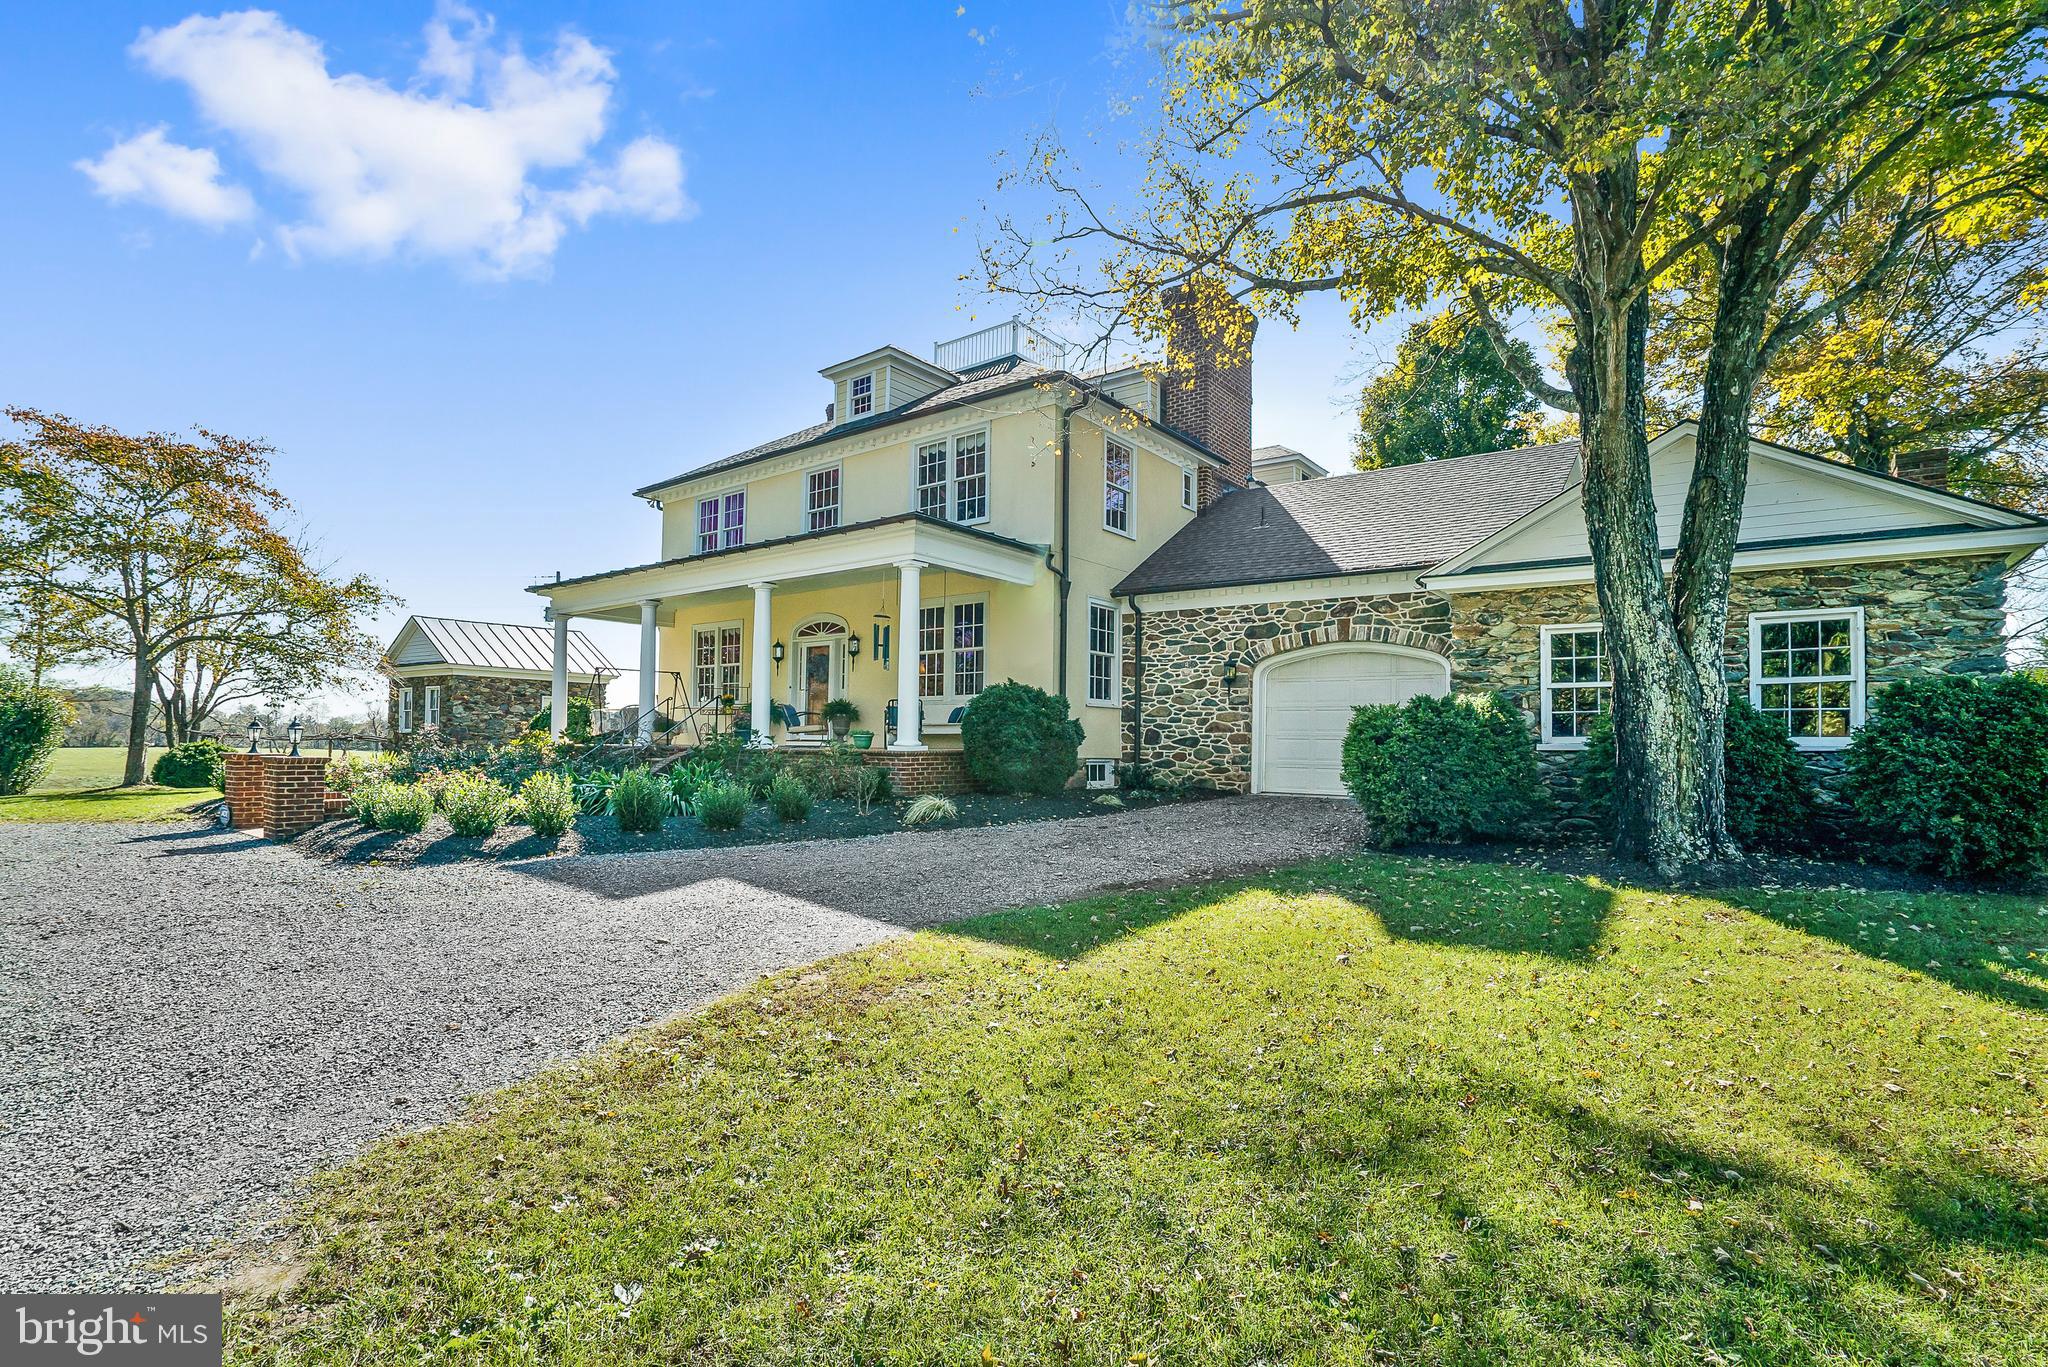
1509,911
1954,938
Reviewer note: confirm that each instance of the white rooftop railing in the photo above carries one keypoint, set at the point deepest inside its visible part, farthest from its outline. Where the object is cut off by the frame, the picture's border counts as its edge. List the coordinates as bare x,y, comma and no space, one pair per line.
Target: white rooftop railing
1000,342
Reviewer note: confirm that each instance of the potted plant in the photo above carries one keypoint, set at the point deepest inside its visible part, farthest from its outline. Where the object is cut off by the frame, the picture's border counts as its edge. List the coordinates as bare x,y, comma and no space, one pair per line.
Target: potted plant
839,714
861,739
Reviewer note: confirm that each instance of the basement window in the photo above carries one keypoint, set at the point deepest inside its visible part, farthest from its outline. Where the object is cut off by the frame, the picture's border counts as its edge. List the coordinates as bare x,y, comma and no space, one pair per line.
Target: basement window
1099,773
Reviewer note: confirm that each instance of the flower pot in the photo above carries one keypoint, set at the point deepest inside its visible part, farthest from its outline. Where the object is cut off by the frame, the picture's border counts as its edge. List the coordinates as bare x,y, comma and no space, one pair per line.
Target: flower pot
837,726
862,739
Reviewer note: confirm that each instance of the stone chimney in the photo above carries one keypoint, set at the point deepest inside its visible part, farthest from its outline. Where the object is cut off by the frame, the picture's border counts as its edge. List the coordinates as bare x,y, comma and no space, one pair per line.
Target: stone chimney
1922,467
1206,392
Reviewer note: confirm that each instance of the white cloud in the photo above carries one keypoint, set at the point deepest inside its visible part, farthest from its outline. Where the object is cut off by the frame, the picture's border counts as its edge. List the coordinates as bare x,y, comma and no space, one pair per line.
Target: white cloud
185,181
489,159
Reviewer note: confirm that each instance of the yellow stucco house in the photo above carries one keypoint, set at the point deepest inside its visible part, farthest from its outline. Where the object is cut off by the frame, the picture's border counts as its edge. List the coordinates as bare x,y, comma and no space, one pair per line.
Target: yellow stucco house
951,523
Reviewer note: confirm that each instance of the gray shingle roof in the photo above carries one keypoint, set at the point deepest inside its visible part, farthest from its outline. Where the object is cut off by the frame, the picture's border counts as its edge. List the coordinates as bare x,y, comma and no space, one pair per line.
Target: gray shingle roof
502,645
1402,517
985,381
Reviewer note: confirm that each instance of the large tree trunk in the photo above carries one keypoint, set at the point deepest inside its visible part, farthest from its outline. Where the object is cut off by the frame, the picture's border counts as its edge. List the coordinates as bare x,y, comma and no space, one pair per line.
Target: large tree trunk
1659,767
136,769
1713,504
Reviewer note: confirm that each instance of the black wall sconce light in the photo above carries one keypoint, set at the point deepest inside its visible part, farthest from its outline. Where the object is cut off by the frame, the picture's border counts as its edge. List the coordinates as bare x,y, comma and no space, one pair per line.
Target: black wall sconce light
1230,674
776,651
853,647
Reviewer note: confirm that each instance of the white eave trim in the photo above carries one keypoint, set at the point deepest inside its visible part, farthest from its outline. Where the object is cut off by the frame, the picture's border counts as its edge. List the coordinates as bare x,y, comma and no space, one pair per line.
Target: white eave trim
439,668
2015,543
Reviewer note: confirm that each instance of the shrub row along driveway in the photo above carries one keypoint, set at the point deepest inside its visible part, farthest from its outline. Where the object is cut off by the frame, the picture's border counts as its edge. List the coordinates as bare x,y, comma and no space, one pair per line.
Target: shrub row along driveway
192,1019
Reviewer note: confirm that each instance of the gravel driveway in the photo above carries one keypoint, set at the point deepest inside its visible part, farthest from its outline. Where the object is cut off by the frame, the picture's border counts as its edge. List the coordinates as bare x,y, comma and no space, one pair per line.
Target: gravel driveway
191,1020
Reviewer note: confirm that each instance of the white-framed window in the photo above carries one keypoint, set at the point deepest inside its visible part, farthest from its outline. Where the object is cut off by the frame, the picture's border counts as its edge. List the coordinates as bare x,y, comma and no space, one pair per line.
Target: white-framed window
970,477
1578,687
1105,678
951,476
405,708
821,499
715,661
1189,487
1118,474
932,461
1806,669
1099,773
952,648
860,396
431,714
722,522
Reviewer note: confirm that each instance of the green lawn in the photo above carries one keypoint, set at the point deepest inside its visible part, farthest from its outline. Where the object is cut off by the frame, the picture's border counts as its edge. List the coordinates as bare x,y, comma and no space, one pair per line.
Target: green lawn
1378,1110
80,786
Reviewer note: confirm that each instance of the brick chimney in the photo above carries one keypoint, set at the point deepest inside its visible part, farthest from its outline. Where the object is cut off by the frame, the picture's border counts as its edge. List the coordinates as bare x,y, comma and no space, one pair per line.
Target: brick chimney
1207,389
1922,467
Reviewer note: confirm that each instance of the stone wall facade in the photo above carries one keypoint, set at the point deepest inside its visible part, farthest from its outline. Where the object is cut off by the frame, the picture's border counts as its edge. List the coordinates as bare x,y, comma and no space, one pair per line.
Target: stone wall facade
1920,617
476,709
1194,726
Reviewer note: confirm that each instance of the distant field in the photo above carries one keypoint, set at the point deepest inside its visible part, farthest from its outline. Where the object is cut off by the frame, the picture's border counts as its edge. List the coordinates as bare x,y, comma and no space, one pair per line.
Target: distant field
88,766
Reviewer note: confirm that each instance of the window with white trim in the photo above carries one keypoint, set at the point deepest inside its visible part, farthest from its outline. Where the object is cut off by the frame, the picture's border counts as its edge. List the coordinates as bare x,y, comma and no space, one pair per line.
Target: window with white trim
431,715
405,708
1806,670
721,522
1578,687
933,459
860,396
1104,678
1117,480
952,648
821,499
970,653
952,477
715,662
1188,488
1099,773
970,477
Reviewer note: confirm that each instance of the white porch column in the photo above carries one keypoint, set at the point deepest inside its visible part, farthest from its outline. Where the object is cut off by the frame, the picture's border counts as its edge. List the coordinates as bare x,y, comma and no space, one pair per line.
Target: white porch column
909,710
647,660
558,699
762,682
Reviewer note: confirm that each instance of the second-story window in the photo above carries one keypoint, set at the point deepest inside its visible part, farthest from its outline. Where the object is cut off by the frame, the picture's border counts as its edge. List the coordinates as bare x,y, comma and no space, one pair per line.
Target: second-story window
722,522
933,458
952,477
860,396
1116,487
970,478
821,502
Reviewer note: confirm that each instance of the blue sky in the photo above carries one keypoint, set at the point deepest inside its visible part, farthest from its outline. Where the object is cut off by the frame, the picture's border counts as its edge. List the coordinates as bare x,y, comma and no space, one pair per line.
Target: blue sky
267,224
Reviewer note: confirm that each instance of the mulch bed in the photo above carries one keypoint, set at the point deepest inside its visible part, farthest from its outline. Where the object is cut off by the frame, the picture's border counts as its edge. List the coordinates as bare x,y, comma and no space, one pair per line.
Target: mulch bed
349,840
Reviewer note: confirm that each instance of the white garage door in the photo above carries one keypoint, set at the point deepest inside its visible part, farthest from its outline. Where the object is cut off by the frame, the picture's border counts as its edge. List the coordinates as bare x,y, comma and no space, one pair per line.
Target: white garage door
1304,703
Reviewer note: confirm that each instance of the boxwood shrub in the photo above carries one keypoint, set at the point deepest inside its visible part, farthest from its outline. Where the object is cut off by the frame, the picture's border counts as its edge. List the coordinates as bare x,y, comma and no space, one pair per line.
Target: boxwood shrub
1770,792
194,764
1020,739
1449,769
548,803
475,805
1950,776
32,724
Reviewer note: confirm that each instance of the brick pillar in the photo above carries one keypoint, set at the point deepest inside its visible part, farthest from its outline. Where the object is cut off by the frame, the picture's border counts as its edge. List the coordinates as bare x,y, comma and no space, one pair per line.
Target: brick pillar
279,794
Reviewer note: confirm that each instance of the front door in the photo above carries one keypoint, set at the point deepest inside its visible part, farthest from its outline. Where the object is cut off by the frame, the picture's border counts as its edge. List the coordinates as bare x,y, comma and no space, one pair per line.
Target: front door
817,679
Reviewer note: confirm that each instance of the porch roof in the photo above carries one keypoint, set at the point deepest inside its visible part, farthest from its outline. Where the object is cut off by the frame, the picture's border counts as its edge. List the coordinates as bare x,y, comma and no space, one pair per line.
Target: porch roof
875,544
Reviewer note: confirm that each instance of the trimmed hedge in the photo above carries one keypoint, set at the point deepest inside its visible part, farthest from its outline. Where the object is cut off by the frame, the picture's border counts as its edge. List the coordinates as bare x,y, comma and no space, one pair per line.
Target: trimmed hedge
32,724
1020,739
1950,776
1769,788
194,764
1450,769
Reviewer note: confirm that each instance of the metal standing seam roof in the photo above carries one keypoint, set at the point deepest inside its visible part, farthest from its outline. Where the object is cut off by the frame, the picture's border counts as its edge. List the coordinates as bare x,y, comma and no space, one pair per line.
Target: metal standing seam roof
1400,517
504,645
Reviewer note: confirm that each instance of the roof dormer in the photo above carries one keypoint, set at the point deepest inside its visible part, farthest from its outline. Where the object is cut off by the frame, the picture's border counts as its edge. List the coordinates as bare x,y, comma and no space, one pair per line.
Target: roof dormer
877,381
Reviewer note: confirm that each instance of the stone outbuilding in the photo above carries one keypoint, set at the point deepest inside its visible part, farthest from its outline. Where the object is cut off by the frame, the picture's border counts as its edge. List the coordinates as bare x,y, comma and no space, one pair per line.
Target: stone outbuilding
480,683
